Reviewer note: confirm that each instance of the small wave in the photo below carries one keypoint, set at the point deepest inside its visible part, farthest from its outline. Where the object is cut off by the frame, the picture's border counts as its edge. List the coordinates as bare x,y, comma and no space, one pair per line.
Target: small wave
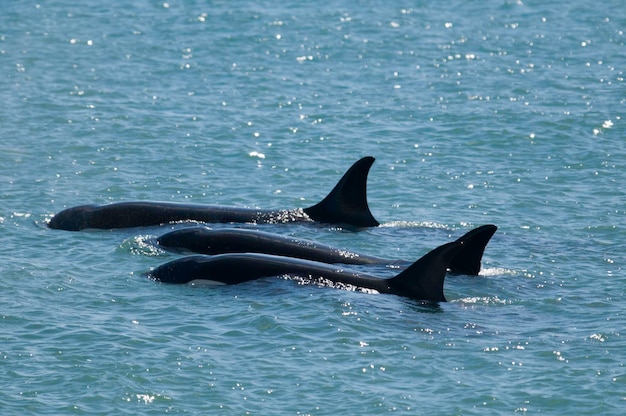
496,271
142,245
597,337
482,300
321,282
415,224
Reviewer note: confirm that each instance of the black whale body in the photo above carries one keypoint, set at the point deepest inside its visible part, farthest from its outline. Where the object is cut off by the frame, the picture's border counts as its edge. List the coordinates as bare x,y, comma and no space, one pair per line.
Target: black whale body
346,205
423,280
203,240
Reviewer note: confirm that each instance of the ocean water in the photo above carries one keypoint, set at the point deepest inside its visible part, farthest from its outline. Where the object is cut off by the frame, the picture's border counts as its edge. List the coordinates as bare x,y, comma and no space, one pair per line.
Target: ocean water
503,112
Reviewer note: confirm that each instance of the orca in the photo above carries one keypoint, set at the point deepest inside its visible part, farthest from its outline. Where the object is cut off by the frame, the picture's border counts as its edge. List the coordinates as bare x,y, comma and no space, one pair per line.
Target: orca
423,280
345,205
203,240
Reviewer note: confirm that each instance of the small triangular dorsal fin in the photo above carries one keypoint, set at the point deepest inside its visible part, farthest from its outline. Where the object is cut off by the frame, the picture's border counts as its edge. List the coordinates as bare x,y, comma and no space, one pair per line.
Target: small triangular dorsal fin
468,260
423,280
347,202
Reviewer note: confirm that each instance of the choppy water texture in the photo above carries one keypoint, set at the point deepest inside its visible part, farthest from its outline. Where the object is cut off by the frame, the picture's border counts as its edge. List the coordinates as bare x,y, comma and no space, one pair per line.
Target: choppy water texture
501,112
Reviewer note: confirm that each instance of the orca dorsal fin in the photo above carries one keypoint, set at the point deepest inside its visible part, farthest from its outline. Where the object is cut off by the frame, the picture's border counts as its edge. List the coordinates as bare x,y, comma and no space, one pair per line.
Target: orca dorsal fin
423,280
347,202
468,260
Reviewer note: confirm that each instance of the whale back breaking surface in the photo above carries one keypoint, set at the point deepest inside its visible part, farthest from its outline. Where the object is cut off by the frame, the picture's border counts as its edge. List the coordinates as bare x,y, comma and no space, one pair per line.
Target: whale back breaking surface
346,204
423,280
148,213
202,240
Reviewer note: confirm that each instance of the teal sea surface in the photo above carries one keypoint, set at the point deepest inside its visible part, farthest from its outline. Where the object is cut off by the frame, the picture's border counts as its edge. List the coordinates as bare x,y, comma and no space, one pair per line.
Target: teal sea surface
495,112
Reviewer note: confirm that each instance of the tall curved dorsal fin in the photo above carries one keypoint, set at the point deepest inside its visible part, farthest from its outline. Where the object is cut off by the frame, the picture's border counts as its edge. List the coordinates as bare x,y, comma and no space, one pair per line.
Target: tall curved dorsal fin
347,202
424,279
467,261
